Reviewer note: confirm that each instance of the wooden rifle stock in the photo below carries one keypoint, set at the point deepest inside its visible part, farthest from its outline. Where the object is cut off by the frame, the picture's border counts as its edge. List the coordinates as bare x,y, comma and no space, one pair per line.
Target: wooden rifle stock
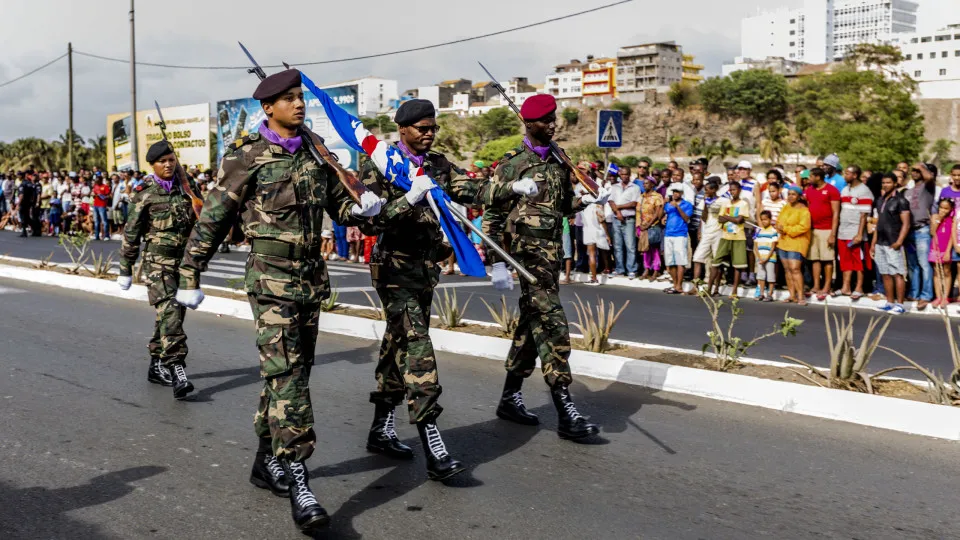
195,202
322,155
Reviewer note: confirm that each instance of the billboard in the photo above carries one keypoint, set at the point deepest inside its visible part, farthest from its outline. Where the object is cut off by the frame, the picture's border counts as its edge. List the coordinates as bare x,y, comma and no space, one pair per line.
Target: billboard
188,129
238,117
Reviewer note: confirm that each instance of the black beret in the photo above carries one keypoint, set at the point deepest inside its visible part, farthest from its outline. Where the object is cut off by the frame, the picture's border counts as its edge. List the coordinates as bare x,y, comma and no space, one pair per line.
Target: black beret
277,84
158,150
414,110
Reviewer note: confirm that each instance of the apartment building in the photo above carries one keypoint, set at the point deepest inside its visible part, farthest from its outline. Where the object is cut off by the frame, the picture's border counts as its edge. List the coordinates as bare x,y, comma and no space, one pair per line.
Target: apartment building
933,60
375,95
650,66
565,83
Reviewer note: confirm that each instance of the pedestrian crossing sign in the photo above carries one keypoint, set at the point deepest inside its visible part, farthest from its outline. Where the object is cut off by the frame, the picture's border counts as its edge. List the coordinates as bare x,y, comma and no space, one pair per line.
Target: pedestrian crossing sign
609,129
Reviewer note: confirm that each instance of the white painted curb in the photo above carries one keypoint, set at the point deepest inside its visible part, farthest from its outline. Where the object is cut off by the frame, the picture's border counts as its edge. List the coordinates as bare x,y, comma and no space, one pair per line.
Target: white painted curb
906,416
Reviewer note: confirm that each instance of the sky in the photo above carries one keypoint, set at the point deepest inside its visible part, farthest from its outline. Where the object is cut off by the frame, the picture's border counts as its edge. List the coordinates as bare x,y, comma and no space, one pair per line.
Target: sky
206,32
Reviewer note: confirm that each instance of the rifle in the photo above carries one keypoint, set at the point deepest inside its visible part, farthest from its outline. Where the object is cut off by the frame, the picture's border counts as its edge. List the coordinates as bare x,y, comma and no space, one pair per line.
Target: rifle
588,183
195,202
318,151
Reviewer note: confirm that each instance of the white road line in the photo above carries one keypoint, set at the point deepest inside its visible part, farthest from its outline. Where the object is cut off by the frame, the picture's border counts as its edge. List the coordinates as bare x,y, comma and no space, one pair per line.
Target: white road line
10,290
341,266
217,266
236,275
441,286
229,262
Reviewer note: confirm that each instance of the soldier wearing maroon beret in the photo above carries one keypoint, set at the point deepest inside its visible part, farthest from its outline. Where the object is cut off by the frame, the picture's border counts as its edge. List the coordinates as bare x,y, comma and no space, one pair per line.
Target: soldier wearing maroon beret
534,190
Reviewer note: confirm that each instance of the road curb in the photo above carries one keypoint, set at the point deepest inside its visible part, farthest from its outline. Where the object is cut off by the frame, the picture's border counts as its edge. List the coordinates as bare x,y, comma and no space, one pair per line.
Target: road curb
895,414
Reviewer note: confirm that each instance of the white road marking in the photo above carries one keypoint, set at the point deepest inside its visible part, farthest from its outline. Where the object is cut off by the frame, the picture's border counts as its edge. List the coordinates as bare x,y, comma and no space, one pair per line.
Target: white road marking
441,286
10,290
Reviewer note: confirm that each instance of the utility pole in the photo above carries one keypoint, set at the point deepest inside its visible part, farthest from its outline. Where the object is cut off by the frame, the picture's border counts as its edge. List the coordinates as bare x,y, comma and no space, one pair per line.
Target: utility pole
70,134
133,92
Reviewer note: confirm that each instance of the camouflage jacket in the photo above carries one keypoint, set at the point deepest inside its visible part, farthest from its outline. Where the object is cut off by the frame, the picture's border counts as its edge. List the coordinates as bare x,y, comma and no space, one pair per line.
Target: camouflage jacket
160,219
278,196
409,238
540,216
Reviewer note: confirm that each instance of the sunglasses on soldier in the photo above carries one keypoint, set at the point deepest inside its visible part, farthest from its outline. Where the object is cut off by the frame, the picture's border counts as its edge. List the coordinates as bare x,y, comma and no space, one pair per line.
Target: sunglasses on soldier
427,129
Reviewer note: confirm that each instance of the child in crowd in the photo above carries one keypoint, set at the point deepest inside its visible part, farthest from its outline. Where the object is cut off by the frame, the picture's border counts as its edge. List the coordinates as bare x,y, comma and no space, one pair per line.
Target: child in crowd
941,250
765,253
676,238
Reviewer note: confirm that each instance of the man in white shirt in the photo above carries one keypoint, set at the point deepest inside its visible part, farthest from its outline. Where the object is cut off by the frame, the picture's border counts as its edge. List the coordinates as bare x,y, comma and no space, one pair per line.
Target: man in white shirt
624,196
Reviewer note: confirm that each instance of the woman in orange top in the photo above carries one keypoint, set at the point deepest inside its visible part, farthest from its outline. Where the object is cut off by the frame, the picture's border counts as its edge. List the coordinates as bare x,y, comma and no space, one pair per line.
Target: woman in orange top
793,225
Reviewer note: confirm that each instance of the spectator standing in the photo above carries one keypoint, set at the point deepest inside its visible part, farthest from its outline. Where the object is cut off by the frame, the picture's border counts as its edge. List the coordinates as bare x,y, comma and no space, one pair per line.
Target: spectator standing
624,196
697,182
710,230
952,191
732,249
46,194
773,201
794,226
676,237
824,204
831,166
101,201
944,237
765,246
917,246
567,248
893,226
856,203
594,238
649,232
6,196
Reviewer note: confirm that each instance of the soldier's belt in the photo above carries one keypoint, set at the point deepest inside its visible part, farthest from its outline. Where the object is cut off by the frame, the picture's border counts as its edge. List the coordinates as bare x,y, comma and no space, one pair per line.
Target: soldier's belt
164,251
549,234
284,250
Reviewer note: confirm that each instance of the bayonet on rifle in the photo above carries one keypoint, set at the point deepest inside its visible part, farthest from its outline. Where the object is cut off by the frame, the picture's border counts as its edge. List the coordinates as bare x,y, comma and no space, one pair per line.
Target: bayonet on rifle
195,202
588,183
317,149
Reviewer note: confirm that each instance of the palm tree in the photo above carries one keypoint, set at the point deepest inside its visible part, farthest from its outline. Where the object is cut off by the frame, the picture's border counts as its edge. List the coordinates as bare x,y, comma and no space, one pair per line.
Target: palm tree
725,148
695,146
774,142
673,143
742,130
940,150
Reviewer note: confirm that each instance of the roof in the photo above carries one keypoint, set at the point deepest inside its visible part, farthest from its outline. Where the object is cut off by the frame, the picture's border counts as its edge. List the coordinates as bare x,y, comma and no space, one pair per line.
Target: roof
353,80
481,84
452,81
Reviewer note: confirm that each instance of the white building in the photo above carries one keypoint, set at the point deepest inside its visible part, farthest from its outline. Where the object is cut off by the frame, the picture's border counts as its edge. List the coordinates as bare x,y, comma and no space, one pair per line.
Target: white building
933,60
565,83
774,64
824,30
374,94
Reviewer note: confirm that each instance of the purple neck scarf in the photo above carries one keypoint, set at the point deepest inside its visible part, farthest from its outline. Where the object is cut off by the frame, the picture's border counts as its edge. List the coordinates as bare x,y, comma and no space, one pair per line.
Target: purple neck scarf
165,184
542,151
418,160
290,145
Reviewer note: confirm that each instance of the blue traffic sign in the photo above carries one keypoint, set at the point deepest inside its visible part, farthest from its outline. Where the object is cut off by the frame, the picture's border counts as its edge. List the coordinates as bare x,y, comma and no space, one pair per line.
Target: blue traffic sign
609,129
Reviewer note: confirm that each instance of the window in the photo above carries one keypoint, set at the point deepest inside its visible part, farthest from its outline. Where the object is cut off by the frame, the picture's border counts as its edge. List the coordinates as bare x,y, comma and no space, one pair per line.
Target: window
944,54
956,53
916,74
919,56
792,43
793,32
914,40
793,21
909,57
925,39
943,72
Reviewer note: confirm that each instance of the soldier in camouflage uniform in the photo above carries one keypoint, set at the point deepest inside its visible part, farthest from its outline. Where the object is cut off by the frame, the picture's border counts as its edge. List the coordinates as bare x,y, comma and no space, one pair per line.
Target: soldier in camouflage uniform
535,191
280,193
162,217
405,271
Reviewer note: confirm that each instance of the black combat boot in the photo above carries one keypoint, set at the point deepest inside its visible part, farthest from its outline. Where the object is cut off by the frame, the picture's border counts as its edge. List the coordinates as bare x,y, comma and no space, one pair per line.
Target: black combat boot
440,464
383,437
307,512
571,425
511,403
267,472
181,386
158,373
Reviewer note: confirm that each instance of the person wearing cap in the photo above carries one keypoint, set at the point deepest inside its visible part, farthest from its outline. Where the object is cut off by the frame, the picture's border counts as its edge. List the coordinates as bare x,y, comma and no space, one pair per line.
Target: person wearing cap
535,191
269,181
404,270
831,169
161,219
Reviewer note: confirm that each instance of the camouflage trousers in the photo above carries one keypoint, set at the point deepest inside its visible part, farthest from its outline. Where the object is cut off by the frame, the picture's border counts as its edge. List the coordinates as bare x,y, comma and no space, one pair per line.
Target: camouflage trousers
169,342
287,340
542,329
408,366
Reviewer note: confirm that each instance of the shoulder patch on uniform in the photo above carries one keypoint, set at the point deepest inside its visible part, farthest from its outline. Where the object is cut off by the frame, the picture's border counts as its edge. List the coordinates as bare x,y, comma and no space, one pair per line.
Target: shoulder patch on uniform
512,153
140,187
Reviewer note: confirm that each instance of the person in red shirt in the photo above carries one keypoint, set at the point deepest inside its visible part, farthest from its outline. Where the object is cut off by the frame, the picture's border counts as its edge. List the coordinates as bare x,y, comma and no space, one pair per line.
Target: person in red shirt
824,201
101,201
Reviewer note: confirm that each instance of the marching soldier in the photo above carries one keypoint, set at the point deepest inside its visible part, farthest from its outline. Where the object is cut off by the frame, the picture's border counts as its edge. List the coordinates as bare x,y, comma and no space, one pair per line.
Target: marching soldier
535,192
269,179
163,218
405,271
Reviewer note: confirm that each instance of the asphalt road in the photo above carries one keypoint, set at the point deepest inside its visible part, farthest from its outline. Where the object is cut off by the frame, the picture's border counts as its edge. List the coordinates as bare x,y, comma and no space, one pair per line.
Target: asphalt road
651,317
91,450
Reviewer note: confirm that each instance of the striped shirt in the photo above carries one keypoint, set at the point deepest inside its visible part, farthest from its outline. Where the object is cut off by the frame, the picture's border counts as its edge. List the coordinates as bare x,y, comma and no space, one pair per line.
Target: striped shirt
763,241
774,208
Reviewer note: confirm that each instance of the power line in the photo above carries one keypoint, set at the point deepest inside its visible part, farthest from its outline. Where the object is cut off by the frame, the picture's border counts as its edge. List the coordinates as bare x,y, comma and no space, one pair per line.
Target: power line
29,73
368,56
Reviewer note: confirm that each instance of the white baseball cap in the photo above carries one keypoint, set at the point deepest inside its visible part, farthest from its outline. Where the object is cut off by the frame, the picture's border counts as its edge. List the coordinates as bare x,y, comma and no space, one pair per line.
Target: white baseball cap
745,165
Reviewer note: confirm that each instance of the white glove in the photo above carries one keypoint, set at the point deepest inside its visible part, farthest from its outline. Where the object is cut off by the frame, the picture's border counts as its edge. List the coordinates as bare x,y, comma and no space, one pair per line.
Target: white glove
603,194
190,298
525,186
369,205
502,280
124,282
419,187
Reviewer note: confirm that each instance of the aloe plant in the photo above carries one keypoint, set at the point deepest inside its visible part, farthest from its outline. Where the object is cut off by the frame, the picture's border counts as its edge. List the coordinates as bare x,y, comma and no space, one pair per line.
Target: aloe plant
507,318
596,324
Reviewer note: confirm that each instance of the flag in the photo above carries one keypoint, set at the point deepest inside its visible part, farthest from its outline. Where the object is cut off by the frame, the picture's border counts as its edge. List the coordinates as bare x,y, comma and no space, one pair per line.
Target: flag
396,168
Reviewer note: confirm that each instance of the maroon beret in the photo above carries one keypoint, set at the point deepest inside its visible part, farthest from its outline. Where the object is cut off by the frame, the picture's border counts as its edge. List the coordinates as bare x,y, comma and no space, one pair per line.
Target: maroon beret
538,106
277,84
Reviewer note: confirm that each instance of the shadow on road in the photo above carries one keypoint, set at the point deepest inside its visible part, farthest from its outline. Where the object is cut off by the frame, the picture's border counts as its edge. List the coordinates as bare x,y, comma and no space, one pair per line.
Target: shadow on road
38,512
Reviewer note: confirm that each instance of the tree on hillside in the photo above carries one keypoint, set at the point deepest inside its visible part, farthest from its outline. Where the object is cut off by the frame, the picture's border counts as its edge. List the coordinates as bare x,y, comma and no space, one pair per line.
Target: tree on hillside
725,148
623,107
495,124
756,95
884,59
695,146
940,151
494,150
673,143
866,118
742,130
682,95
774,143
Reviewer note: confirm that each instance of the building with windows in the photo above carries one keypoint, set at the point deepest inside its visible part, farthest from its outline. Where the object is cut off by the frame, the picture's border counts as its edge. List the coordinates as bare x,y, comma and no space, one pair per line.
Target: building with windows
565,83
375,95
599,81
691,70
775,64
651,66
825,30
933,60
